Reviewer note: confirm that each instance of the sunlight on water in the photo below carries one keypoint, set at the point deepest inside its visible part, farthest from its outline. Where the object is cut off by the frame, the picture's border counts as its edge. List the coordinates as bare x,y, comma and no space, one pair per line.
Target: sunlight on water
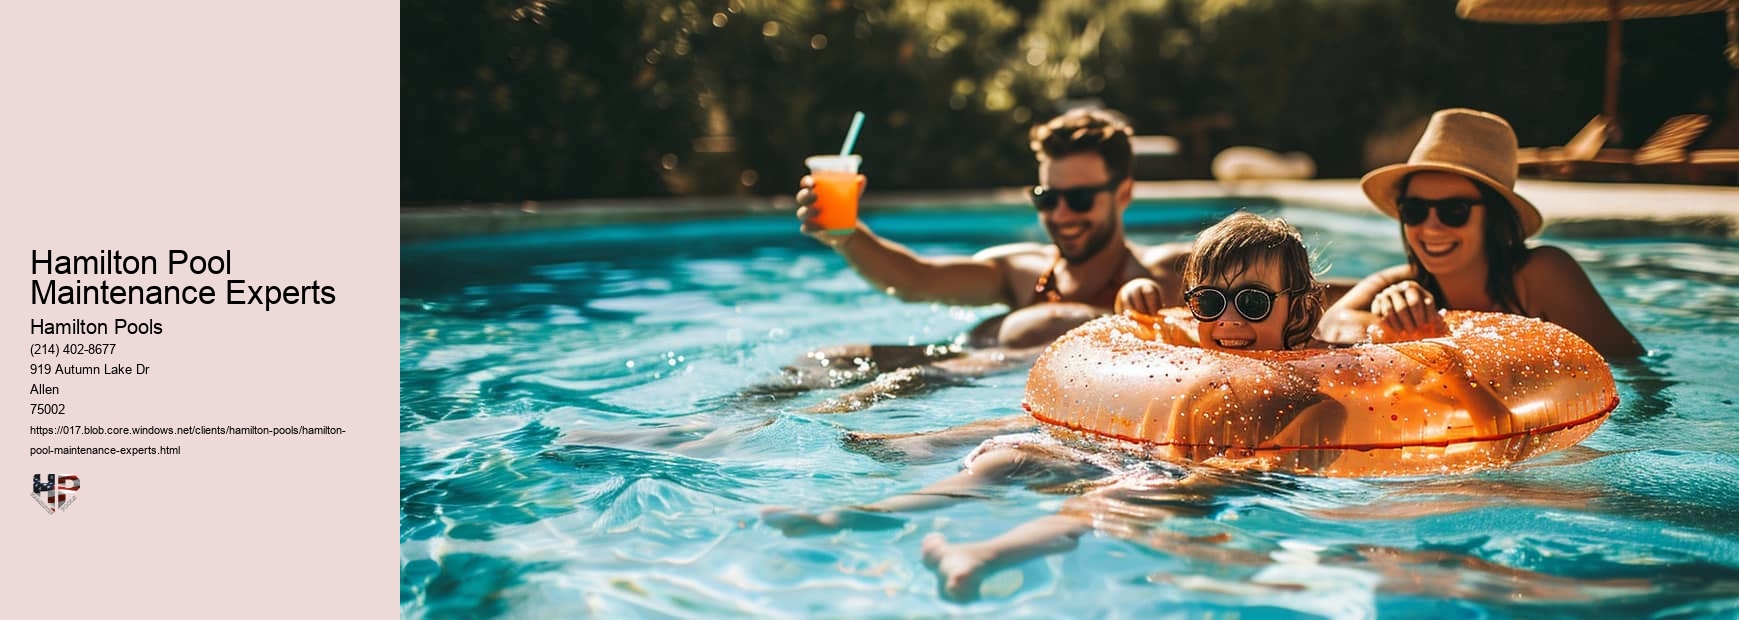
576,441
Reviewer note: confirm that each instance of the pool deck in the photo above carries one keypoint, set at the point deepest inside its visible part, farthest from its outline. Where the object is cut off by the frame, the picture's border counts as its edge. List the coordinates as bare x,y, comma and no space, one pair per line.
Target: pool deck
1608,210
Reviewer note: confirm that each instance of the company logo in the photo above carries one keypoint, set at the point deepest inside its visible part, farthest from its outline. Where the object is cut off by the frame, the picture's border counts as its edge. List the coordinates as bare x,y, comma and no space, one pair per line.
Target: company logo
53,494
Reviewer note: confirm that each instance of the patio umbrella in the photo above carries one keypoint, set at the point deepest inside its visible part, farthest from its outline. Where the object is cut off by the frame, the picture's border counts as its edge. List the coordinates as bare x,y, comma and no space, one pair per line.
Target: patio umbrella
1610,11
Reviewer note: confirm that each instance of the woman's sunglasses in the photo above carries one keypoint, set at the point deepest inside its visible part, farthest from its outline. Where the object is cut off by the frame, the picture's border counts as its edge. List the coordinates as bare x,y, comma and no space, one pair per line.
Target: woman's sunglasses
1207,303
1453,212
1079,199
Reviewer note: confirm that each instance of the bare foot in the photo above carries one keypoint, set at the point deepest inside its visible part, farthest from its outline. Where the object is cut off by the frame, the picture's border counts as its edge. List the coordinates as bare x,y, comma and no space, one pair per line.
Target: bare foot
957,567
794,522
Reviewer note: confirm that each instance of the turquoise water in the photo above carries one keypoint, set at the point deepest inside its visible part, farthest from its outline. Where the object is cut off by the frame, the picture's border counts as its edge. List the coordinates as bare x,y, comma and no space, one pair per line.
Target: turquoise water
632,342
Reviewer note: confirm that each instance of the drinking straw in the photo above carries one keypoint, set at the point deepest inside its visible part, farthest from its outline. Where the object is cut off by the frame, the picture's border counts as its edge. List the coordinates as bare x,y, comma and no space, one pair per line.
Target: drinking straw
851,136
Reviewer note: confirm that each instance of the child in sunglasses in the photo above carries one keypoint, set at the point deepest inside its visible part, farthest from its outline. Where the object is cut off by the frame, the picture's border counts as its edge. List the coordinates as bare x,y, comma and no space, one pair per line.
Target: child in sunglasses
1243,271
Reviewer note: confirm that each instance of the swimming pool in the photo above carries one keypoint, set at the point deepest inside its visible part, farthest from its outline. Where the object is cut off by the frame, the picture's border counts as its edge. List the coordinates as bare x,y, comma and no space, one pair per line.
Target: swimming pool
633,340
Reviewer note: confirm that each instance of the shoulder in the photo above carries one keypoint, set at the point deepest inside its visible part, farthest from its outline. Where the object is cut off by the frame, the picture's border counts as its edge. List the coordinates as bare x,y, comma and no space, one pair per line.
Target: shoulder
1549,279
1393,274
1548,270
1163,257
1164,264
1011,251
1382,278
1360,295
1548,260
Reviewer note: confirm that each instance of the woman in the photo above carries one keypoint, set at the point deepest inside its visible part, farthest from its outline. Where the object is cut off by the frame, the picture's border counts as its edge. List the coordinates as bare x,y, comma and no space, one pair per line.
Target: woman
1464,227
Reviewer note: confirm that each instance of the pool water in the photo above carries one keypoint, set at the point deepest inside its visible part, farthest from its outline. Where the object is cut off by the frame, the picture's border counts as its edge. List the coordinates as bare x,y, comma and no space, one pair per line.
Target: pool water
574,444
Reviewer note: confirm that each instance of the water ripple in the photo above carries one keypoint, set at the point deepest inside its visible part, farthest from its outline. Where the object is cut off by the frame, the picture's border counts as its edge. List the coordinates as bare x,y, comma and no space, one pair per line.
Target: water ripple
574,441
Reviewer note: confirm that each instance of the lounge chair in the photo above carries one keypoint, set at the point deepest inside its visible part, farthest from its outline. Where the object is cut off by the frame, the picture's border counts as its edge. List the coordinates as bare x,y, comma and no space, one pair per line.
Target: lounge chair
1715,160
1584,145
1663,151
1251,163
1708,166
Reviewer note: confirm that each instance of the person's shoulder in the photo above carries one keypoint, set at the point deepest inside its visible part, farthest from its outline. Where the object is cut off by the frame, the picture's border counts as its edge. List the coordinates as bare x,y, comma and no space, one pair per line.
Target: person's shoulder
1165,256
1548,261
1549,255
1011,250
1391,275
1549,273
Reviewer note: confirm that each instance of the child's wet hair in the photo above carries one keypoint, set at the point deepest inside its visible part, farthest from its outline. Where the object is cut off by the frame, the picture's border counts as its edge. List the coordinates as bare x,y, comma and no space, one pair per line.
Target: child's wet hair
1244,240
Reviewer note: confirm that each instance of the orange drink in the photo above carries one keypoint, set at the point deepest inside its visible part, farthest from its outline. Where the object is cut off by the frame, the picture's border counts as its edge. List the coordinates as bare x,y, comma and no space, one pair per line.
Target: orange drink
837,186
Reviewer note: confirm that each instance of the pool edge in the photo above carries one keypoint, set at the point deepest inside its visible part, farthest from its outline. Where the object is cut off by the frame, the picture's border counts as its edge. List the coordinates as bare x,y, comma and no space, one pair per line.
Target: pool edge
1586,210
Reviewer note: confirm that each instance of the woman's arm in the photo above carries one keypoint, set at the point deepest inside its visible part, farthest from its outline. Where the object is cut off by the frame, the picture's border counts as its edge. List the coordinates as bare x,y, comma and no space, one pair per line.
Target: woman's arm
1346,320
1553,287
1365,292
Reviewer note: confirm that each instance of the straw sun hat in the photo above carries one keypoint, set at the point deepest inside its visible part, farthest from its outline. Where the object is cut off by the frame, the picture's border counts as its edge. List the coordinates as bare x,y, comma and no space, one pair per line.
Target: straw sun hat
1474,144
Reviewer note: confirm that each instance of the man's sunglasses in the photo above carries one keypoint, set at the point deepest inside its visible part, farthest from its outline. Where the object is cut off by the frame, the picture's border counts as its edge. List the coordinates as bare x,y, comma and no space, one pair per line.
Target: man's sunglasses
1207,303
1453,212
1079,199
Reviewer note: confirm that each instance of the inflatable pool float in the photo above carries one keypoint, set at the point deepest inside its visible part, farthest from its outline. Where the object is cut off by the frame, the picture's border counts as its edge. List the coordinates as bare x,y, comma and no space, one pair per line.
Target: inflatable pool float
1498,389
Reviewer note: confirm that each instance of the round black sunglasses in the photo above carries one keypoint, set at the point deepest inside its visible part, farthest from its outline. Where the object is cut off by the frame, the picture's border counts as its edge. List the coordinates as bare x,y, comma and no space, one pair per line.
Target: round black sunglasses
1253,302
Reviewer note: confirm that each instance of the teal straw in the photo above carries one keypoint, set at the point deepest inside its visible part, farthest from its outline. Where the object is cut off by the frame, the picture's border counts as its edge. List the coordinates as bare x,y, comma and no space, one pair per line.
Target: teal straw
851,136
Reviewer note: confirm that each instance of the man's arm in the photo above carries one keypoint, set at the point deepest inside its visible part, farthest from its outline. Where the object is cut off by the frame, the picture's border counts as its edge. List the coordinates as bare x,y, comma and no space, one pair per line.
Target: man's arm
948,279
894,268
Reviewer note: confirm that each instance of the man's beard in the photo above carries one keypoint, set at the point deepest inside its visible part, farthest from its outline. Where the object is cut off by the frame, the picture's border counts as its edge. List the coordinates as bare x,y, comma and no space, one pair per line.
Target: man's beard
1098,239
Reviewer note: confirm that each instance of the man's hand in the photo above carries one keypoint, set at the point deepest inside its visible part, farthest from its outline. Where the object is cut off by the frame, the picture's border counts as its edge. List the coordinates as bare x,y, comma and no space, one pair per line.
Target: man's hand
808,212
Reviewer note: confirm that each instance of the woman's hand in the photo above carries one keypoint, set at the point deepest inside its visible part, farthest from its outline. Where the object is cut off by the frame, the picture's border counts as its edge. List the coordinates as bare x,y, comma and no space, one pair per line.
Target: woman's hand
1140,295
1407,308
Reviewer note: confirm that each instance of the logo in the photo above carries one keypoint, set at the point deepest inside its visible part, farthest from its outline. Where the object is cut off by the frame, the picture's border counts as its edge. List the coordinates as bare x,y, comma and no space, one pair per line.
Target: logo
51,494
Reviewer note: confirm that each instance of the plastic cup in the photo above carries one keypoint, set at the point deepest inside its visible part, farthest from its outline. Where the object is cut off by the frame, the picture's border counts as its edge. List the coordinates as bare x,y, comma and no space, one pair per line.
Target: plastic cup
837,186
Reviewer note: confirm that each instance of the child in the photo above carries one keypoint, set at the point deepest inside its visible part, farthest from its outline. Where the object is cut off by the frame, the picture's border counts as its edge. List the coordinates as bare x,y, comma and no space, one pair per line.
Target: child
1243,271
1250,288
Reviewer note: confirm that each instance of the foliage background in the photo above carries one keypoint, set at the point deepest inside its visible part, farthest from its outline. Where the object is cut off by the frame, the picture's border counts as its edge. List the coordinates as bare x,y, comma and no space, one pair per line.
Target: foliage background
506,100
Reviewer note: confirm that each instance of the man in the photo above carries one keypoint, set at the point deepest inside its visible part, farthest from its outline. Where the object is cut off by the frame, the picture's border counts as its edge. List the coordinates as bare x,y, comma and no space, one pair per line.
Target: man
1085,166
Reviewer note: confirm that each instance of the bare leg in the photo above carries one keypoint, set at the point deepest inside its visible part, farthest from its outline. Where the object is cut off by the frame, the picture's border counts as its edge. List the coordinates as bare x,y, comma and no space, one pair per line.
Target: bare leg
1455,575
890,385
1035,464
688,439
797,523
911,380
839,366
924,445
961,566
1126,507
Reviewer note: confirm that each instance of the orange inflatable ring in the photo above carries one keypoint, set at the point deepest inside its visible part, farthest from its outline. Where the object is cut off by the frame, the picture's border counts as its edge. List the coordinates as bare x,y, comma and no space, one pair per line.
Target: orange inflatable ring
1498,389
